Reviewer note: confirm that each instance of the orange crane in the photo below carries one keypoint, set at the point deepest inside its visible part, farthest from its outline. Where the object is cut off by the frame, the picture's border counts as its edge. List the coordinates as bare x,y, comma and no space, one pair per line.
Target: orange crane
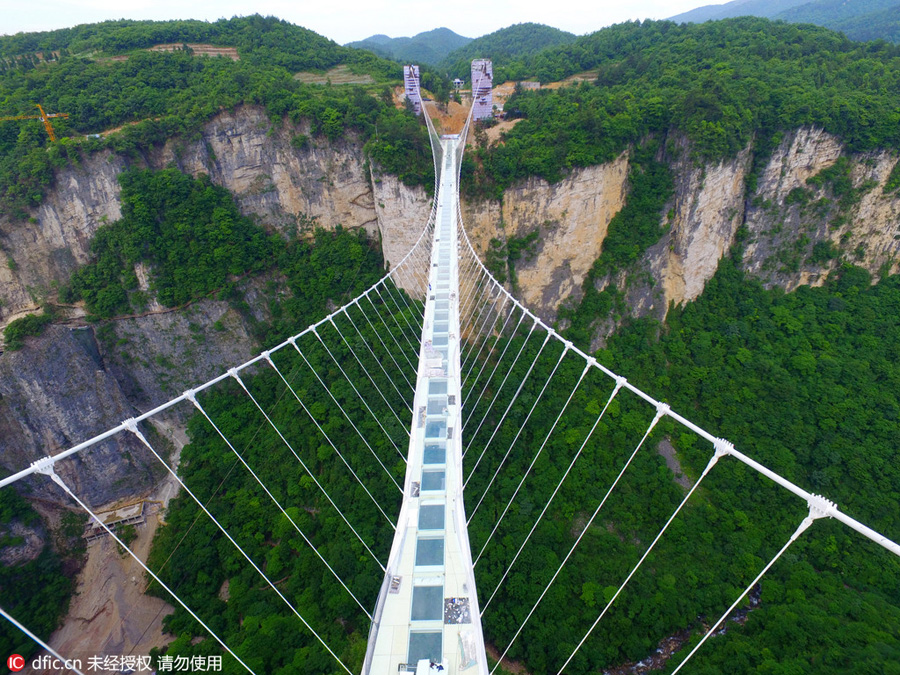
44,117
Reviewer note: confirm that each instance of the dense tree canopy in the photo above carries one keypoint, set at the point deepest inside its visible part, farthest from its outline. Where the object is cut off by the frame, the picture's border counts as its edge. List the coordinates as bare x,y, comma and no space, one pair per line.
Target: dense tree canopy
163,94
723,84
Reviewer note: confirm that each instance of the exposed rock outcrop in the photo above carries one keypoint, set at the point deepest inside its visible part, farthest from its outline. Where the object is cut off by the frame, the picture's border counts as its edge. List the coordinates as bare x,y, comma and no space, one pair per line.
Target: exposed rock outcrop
784,219
68,386
572,216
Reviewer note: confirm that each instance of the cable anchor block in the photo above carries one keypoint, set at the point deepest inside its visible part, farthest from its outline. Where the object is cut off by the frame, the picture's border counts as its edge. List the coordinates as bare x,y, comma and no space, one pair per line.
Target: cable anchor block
44,466
819,507
723,447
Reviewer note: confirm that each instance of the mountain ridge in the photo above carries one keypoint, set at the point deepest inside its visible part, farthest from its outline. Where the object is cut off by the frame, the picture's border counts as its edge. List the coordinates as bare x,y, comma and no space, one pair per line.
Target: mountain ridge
861,20
428,47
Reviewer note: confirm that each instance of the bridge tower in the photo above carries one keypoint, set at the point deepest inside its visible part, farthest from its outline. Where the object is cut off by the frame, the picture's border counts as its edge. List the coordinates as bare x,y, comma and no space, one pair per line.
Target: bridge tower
427,611
482,83
411,85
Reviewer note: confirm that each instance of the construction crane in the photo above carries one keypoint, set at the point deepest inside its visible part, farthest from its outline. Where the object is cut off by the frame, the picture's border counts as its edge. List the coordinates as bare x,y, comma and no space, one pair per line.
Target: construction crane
44,117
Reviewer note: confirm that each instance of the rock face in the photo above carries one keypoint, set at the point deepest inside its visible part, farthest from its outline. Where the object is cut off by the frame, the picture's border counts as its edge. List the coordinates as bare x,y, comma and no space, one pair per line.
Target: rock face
572,217
707,211
289,184
68,385
784,228
796,232
28,542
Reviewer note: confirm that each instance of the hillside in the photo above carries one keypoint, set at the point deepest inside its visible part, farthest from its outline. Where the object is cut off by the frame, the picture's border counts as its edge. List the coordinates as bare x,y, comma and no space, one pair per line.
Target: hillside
505,47
728,10
870,20
859,20
726,240
430,47
106,76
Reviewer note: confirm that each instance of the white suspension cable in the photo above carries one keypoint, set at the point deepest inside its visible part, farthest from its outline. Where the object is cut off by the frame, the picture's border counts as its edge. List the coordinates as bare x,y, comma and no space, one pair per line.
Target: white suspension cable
369,376
377,360
236,376
47,469
475,284
500,388
558,486
659,413
519,427
388,351
533,461
325,434
360,396
486,359
400,311
490,378
468,288
137,432
34,637
508,407
468,325
413,348
193,399
478,329
804,524
388,330
489,334
712,462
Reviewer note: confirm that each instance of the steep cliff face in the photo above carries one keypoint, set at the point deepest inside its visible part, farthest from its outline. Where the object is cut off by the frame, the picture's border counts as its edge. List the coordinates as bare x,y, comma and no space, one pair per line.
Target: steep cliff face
707,211
68,385
275,171
799,231
41,253
572,217
796,231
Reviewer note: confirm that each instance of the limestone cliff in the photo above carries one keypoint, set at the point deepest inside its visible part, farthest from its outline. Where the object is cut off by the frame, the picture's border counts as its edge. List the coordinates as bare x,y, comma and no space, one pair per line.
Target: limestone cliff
68,385
796,232
572,216
285,182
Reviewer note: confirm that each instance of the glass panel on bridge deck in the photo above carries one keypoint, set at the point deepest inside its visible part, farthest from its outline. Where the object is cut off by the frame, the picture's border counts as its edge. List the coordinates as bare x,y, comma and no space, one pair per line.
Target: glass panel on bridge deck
425,645
432,480
431,517
427,603
437,387
437,405
430,552
439,340
441,327
441,316
442,304
436,428
435,454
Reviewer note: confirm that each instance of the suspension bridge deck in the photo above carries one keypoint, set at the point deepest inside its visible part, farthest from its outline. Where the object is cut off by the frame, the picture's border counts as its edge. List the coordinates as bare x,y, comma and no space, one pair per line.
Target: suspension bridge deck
427,611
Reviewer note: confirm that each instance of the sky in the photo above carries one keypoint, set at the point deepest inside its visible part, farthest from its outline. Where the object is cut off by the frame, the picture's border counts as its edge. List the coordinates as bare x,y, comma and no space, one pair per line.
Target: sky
347,20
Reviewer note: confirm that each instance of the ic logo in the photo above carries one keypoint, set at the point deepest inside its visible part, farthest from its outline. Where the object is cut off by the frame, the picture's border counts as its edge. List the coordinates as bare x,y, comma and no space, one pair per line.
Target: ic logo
15,663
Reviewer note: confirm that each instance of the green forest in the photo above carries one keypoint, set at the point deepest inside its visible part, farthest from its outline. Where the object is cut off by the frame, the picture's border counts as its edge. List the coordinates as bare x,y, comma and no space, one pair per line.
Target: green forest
723,84
36,592
805,382
159,95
